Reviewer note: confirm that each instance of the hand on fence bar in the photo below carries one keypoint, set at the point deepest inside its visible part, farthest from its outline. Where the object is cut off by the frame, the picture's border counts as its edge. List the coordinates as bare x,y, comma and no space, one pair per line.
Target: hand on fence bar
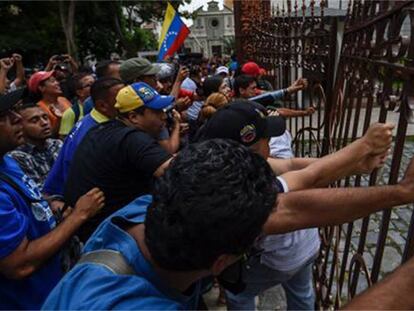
333,206
378,139
360,157
298,85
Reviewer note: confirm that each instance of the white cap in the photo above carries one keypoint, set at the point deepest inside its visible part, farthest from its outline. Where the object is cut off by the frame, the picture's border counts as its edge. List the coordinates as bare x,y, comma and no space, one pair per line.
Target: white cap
222,69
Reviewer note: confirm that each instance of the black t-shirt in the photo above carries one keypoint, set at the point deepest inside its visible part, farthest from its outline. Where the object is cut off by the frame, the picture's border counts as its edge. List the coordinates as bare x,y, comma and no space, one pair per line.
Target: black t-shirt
119,160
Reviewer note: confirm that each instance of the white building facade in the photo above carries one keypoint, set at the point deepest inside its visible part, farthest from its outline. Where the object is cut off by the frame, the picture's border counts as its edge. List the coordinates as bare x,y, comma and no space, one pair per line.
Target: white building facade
211,31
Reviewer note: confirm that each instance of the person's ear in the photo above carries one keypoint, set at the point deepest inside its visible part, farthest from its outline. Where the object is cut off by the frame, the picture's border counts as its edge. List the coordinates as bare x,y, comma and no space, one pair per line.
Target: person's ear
132,116
222,262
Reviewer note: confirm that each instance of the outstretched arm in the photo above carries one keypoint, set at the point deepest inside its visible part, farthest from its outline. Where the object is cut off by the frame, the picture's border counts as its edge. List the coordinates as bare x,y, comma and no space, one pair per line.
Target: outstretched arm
293,113
362,156
392,293
5,65
183,73
30,255
332,206
19,70
281,166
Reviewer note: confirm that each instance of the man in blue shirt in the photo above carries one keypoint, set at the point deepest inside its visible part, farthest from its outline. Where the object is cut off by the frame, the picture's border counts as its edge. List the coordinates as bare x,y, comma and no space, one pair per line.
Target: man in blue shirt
179,236
103,93
30,239
208,208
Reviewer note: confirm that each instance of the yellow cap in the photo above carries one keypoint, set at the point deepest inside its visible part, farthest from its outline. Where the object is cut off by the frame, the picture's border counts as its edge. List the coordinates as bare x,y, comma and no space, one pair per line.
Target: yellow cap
141,94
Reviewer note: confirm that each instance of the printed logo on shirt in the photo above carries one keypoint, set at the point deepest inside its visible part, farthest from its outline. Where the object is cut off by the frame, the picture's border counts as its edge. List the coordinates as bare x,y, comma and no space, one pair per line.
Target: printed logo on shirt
41,210
32,188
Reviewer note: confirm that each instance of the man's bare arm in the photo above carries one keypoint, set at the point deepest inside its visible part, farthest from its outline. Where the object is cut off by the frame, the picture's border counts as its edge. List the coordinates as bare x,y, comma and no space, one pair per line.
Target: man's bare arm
332,206
395,292
30,255
362,156
183,73
19,70
281,166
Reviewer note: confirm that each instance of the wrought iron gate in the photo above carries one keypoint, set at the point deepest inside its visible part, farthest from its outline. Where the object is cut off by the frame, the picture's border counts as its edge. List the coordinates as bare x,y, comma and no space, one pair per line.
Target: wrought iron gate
369,52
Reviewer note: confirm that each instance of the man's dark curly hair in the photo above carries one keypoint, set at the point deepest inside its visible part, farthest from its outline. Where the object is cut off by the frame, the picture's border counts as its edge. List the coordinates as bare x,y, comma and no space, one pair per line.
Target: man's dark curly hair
212,200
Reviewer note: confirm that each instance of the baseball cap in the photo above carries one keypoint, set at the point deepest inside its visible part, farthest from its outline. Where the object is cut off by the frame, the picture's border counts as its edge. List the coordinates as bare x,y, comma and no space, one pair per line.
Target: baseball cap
38,77
222,69
251,69
141,94
243,121
11,99
136,67
165,70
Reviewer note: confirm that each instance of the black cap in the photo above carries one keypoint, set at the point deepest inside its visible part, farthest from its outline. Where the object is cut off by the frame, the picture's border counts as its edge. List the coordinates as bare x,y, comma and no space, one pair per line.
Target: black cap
11,99
243,121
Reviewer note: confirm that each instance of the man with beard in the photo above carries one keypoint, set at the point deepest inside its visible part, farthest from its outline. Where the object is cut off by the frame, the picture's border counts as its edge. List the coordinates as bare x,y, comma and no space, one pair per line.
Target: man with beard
37,155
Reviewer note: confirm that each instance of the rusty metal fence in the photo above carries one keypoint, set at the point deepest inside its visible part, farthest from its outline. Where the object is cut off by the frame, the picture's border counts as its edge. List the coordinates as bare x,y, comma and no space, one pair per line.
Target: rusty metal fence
360,64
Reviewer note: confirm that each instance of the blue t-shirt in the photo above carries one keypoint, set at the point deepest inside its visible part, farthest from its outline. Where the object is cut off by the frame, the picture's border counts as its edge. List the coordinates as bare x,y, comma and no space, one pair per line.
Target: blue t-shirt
56,179
19,219
88,105
93,287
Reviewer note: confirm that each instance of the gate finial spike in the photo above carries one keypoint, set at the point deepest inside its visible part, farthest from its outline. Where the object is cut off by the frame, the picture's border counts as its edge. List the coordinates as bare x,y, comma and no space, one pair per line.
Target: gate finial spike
296,8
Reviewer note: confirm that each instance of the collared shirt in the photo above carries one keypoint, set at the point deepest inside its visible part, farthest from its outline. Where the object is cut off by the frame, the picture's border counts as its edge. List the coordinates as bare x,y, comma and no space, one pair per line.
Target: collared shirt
35,161
98,117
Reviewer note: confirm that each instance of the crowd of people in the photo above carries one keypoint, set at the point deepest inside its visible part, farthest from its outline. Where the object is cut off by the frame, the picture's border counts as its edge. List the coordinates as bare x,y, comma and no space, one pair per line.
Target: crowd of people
139,185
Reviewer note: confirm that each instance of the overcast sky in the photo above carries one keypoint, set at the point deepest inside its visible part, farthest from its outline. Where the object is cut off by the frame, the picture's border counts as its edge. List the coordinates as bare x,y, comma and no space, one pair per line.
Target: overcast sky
194,5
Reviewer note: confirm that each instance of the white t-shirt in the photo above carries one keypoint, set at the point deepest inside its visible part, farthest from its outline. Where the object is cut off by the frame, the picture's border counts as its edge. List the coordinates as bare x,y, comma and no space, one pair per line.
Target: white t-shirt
289,251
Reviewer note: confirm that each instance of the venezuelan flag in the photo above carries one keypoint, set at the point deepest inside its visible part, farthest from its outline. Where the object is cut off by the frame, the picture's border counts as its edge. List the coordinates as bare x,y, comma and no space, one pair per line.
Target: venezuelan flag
173,33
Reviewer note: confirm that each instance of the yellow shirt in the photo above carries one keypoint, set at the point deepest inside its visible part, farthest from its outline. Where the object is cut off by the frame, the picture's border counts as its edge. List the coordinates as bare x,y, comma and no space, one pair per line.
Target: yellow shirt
68,120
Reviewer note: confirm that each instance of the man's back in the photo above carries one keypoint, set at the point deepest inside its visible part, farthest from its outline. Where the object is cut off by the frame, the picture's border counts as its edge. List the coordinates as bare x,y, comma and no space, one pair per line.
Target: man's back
118,159
93,287
57,176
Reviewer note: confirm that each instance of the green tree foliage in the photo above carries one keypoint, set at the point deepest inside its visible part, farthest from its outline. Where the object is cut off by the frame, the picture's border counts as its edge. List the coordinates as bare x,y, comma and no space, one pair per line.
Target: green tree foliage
36,29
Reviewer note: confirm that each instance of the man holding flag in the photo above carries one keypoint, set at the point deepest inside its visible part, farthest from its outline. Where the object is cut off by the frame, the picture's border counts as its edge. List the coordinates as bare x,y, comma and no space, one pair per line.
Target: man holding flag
173,33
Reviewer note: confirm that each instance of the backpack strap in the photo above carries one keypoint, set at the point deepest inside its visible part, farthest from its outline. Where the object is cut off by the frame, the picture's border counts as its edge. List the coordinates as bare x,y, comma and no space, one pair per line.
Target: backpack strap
76,109
110,259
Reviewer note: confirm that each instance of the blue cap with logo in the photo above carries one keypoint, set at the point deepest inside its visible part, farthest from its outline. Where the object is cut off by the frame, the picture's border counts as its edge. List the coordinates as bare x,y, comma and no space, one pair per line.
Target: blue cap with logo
141,94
